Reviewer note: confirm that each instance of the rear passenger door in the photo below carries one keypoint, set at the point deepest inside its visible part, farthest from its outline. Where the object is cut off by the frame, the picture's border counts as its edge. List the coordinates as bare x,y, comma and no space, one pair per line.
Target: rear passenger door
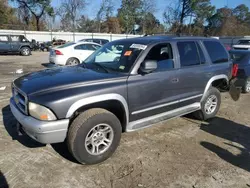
193,72
4,43
15,43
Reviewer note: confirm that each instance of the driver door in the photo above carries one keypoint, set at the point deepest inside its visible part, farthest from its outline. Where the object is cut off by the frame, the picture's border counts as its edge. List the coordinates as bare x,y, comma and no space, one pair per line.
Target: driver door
154,93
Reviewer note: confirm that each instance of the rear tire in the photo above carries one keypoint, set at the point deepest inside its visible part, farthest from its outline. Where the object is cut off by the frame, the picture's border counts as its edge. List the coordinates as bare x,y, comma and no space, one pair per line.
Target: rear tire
246,87
94,136
72,61
210,105
25,51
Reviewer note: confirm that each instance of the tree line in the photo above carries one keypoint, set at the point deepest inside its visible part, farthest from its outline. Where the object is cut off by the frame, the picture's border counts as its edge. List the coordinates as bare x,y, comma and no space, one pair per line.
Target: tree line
192,17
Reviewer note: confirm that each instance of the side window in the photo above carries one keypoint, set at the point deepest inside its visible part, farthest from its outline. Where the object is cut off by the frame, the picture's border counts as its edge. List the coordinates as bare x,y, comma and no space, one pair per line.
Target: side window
91,47
188,54
201,54
216,52
104,42
97,41
95,47
15,38
162,53
78,47
3,39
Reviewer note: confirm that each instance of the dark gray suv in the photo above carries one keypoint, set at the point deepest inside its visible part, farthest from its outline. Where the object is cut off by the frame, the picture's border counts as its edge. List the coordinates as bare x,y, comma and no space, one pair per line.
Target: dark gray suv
15,44
125,85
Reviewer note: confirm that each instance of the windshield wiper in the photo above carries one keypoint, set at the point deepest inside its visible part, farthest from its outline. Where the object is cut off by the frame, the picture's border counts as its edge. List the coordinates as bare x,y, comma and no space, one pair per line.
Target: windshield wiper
103,67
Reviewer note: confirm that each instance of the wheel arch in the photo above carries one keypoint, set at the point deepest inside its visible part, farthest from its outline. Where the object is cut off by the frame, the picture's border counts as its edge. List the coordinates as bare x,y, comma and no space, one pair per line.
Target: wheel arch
24,46
213,82
114,103
73,57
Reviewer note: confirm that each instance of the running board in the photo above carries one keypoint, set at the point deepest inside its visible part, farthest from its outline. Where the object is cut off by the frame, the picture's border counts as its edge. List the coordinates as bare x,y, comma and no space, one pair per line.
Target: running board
149,121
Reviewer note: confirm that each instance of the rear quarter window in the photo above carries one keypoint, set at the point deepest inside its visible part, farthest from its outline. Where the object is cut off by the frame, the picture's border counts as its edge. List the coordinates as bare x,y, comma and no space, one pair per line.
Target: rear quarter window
216,51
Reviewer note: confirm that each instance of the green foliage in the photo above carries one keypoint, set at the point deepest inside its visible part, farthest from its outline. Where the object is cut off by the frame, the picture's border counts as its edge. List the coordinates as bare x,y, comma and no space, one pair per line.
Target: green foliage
194,17
35,9
127,14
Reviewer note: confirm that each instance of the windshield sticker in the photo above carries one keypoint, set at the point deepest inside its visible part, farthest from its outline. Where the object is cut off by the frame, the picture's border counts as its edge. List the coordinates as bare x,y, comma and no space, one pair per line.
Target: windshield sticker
127,53
139,46
122,67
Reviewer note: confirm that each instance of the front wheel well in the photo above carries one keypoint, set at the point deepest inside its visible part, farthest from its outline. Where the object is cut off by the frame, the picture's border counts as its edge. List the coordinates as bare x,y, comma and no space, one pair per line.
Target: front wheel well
112,106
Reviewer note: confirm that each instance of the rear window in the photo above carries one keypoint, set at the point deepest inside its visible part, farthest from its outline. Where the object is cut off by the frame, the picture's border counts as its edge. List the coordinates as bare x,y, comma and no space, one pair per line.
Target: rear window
246,42
216,51
67,44
237,56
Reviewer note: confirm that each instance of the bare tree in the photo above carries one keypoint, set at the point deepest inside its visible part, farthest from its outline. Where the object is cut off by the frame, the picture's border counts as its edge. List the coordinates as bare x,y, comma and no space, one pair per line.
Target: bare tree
105,12
72,9
148,6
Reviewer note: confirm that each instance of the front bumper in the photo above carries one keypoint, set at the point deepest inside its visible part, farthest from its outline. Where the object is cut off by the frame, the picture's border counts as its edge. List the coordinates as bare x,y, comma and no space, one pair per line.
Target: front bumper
46,132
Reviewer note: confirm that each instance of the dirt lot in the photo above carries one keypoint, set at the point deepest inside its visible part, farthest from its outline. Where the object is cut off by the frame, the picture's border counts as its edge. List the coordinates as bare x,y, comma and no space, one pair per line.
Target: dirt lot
177,153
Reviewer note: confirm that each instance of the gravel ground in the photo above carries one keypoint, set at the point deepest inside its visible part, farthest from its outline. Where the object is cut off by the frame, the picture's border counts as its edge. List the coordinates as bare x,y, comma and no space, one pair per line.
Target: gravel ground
178,153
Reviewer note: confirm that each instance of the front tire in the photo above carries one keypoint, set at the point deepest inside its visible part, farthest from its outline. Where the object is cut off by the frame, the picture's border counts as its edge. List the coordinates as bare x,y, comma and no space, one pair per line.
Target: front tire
210,105
94,136
25,51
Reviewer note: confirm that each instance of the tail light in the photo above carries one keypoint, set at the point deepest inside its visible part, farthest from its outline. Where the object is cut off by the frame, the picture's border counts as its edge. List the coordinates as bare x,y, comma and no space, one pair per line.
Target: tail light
235,70
58,52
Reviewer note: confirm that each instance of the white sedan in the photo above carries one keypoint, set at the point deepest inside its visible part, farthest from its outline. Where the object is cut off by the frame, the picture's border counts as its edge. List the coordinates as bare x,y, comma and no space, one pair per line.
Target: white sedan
72,53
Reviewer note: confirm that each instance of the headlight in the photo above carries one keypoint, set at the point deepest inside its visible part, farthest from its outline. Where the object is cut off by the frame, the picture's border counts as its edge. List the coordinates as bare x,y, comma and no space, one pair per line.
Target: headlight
41,112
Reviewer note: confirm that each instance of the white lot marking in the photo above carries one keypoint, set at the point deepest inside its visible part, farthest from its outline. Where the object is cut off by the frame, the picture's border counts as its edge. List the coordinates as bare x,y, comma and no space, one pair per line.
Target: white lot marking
2,88
19,71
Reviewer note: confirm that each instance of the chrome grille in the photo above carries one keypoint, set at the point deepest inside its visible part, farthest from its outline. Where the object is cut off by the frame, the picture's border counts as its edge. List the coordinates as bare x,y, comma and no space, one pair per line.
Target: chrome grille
20,100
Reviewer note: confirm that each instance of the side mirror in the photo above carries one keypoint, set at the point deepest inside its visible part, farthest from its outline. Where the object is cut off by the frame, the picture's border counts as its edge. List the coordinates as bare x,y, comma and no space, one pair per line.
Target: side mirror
148,66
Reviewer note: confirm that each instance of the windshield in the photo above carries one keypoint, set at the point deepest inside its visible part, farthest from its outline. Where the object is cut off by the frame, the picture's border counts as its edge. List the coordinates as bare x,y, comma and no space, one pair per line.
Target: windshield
66,45
116,56
246,42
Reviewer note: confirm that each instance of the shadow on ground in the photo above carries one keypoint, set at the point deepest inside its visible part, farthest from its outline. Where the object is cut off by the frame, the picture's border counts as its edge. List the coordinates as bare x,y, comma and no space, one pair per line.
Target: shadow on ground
10,125
3,181
49,65
237,134
10,122
62,149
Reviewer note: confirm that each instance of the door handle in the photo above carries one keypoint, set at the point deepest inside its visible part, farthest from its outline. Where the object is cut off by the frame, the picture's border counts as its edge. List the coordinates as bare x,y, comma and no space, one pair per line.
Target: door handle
175,80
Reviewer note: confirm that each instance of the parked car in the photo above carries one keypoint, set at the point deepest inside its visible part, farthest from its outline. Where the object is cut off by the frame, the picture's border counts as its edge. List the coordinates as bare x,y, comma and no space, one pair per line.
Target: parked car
98,41
72,53
243,44
15,44
242,59
46,46
150,79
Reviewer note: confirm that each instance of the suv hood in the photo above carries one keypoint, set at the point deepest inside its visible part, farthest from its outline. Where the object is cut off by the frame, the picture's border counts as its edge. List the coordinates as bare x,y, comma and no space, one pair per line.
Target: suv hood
60,77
